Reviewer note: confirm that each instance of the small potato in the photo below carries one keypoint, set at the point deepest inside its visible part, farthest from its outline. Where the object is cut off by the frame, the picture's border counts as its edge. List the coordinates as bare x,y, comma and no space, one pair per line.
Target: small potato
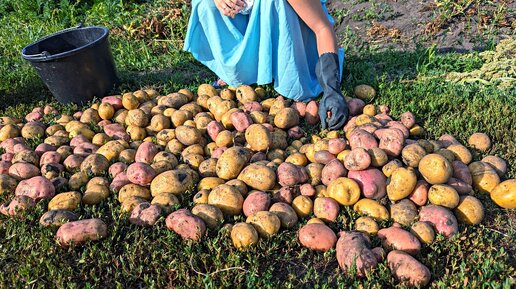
391,140
239,185
372,182
358,159
404,212
372,209
363,139
412,155
188,135
243,235
285,213
240,120
469,211
364,92
443,195
401,184
344,190
331,171
423,231
303,206
297,159
369,109
289,174
133,190
461,153
498,164
367,225
315,173
258,177
69,201
441,218
211,215
186,225
17,206
407,269
7,184
326,209
435,169
193,160
208,168
408,119
504,194
448,154
312,113
480,141
146,153
167,202
318,237
267,224
255,202
378,157
79,232
95,194
336,145
145,214
201,197
420,194
209,183
226,198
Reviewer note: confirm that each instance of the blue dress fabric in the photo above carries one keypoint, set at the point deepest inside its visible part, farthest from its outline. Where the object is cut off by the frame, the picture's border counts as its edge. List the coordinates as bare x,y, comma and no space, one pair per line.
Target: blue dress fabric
271,44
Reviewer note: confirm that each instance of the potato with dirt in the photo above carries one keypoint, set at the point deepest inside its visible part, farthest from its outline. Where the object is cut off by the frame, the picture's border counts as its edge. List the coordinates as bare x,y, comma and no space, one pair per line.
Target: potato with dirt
186,225
443,195
256,201
396,238
267,224
412,155
258,177
497,163
484,177
401,184
407,269
330,172
441,218
285,213
354,251
227,198
56,218
326,209
17,206
174,181
211,215
404,212
36,188
231,162
80,232
504,194
344,190
243,235
145,214
357,160
69,201
372,182
366,225
318,237
372,209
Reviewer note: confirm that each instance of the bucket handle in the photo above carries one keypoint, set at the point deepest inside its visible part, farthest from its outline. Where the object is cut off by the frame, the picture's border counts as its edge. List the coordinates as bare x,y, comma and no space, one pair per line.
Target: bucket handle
45,54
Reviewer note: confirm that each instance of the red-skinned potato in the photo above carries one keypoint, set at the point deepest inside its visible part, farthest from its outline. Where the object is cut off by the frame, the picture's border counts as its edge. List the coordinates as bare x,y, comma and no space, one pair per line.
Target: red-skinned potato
353,250
331,171
186,225
372,182
140,174
79,232
36,188
145,214
395,238
318,237
326,209
442,219
407,269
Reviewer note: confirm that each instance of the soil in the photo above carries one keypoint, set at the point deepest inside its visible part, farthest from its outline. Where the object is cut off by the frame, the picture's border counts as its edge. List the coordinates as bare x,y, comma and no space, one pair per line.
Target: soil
450,25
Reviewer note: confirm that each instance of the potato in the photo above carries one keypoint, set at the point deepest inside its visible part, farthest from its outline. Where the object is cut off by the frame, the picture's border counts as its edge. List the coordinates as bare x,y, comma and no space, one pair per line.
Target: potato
33,130
448,154
420,194
303,206
461,153
391,140
79,232
423,231
461,172
461,187
469,211
326,209
480,141
201,197
391,166
441,218
443,195
367,225
279,139
239,185
285,213
354,253
111,150
336,145
286,118
23,171
344,190
246,93
166,201
370,110
240,121
485,178
258,177
130,203
378,157
258,137
407,269
363,139
401,183
289,174
435,169
37,188
7,184
9,131
498,164
297,159
95,164
78,180
133,190
69,201
372,182
364,92
174,181
145,214
27,156
504,194
56,218
186,225
193,160
211,215
312,113
266,223
318,237
209,183
358,159
140,174
95,194
372,209
226,198
330,172
412,155
243,235
17,206
231,162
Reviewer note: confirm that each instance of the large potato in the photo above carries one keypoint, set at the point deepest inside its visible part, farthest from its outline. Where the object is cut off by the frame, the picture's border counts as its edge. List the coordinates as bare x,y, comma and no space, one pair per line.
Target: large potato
175,182
285,213
401,183
469,210
258,137
95,194
65,201
258,177
267,224
226,198
243,235
404,212
498,164
211,215
504,194
145,214
443,195
395,238
186,225
36,188
372,182
231,162
133,190
412,155
326,209
23,171
435,169
485,178
344,190
353,251
79,232
317,237
407,269
441,218
56,218
95,164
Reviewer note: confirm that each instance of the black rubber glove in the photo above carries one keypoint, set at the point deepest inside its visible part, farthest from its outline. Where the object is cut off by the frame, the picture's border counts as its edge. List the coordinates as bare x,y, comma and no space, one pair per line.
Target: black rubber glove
328,75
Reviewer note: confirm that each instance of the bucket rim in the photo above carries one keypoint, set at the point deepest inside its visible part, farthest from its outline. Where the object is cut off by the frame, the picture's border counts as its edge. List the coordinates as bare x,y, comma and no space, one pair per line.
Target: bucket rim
43,57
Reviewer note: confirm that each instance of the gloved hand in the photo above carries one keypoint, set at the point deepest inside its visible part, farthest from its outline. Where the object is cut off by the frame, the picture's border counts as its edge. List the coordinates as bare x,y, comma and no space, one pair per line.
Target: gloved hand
333,109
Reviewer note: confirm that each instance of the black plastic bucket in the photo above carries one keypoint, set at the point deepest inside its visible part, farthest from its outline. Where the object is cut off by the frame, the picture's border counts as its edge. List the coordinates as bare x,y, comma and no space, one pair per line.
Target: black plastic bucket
76,64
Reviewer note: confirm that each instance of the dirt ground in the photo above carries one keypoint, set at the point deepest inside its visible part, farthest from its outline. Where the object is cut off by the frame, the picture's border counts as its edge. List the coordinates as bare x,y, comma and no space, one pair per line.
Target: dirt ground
458,25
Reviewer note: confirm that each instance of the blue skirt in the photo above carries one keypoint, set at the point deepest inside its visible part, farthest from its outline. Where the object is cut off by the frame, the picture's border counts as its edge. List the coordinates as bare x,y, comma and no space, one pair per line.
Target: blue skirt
271,44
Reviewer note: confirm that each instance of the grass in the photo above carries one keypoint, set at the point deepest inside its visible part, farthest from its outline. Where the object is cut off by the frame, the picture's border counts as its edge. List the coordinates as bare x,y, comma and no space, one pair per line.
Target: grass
134,257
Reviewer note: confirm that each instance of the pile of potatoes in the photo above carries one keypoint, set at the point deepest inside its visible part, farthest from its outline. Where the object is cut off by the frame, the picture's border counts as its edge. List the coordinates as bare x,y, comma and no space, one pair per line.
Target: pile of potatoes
205,159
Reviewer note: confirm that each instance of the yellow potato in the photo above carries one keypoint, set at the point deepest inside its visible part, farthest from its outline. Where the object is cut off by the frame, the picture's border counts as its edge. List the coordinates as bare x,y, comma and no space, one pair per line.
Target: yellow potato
435,169
211,215
367,225
267,224
344,190
443,195
133,190
504,194
209,183
303,206
485,178
243,235
95,194
469,211
371,208
401,183
423,231
65,201
226,198
461,153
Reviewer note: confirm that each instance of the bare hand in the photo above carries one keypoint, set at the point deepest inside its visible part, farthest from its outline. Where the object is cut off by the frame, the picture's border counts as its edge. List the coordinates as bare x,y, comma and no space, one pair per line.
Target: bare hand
229,7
